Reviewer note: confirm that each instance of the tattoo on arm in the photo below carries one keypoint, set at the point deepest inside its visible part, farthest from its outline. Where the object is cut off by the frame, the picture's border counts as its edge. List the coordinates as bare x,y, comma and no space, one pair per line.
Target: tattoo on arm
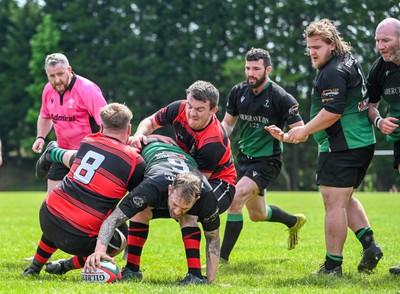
115,219
212,242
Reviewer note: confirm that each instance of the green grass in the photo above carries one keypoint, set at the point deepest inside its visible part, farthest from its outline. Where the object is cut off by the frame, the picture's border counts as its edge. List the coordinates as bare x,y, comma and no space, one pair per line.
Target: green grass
260,262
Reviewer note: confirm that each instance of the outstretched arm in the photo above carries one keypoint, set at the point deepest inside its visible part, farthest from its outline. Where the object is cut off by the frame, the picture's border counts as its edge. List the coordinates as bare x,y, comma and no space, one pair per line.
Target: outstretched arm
115,219
229,123
145,128
281,136
212,254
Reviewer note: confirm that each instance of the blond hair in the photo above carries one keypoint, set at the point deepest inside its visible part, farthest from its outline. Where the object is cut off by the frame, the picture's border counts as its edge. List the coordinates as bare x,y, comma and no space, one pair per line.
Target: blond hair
325,29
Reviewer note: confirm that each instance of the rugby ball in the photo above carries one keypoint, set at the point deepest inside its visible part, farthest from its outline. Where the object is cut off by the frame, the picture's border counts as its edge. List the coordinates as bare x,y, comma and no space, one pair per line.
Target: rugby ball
106,273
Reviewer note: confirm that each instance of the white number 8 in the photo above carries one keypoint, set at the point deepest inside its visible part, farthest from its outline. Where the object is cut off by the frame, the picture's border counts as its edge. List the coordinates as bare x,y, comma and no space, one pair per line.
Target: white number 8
89,164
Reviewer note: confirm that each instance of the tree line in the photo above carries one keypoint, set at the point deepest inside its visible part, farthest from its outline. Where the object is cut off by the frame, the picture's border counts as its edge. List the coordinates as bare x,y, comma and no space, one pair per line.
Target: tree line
146,53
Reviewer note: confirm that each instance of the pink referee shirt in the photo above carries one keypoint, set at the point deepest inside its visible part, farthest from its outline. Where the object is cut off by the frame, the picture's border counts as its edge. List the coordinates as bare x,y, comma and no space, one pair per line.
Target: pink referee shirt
71,112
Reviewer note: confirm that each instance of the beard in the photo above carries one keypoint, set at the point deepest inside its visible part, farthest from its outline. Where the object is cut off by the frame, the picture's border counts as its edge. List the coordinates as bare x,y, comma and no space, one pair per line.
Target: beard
258,82
394,56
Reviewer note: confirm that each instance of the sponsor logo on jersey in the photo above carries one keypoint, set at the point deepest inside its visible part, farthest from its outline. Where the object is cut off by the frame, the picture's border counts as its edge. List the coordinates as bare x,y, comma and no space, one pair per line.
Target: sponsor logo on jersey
391,91
351,61
71,103
329,95
254,118
363,105
242,99
294,110
138,201
255,174
330,92
56,118
211,218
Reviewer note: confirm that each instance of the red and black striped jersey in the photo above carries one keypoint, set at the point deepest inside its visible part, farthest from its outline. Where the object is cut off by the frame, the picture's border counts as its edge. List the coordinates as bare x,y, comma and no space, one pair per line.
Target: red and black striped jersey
210,147
103,171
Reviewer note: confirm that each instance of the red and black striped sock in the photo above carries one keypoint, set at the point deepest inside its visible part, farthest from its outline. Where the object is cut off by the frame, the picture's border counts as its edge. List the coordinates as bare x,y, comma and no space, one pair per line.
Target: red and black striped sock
191,237
75,262
137,236
43,252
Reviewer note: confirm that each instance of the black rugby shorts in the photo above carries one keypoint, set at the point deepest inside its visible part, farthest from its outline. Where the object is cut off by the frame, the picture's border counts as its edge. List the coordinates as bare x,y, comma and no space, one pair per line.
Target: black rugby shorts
344,168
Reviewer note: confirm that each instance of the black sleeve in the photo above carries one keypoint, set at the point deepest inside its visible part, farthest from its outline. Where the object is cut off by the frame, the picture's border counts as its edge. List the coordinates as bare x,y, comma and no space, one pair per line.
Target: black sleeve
166,115
374,87
147,194
334,90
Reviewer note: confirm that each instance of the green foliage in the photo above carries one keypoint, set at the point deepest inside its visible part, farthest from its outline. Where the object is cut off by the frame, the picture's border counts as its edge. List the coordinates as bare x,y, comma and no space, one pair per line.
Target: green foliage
260,262
14,75
44,42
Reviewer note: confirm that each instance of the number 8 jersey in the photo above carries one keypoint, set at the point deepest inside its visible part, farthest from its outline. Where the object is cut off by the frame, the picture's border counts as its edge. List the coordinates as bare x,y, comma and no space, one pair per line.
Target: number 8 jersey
103,171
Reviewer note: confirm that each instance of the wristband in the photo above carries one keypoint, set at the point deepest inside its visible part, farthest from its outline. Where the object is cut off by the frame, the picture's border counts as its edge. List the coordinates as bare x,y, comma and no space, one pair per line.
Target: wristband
376,122
40,137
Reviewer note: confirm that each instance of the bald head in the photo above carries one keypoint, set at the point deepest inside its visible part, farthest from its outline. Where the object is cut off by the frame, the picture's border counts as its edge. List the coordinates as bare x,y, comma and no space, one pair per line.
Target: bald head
387,38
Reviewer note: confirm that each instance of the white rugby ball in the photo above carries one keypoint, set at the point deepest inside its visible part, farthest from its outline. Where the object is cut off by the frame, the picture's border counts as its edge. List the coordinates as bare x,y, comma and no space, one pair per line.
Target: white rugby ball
106,273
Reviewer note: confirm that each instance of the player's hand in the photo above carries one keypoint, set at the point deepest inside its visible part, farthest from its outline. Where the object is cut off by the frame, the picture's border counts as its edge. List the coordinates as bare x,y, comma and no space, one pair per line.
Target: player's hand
94,259
275,132
38,145
388,125
136,141
297,134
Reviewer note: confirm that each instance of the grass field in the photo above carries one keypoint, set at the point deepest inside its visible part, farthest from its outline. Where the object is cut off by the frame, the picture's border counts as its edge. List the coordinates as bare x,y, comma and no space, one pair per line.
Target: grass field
260,262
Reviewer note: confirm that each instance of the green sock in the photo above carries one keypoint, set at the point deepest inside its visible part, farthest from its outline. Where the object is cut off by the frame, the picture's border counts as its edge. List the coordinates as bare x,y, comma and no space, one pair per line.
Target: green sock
56,155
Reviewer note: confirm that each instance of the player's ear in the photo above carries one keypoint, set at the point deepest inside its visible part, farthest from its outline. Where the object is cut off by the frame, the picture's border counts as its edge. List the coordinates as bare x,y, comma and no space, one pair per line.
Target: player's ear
101,128
129,129
215,109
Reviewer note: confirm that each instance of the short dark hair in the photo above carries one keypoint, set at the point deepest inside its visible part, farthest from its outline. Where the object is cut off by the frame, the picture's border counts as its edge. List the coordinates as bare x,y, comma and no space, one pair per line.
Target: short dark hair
255,54
204,91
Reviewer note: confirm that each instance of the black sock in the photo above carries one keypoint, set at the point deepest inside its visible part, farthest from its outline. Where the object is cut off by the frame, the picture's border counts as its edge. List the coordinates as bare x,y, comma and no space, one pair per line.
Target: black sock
332,261
234,225
365,236
36,265
275,214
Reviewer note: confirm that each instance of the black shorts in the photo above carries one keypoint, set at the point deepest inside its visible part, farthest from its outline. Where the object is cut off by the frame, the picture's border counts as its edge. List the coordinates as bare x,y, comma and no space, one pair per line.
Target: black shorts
68,242
262,170
344,168
396,150
57,171
224,193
